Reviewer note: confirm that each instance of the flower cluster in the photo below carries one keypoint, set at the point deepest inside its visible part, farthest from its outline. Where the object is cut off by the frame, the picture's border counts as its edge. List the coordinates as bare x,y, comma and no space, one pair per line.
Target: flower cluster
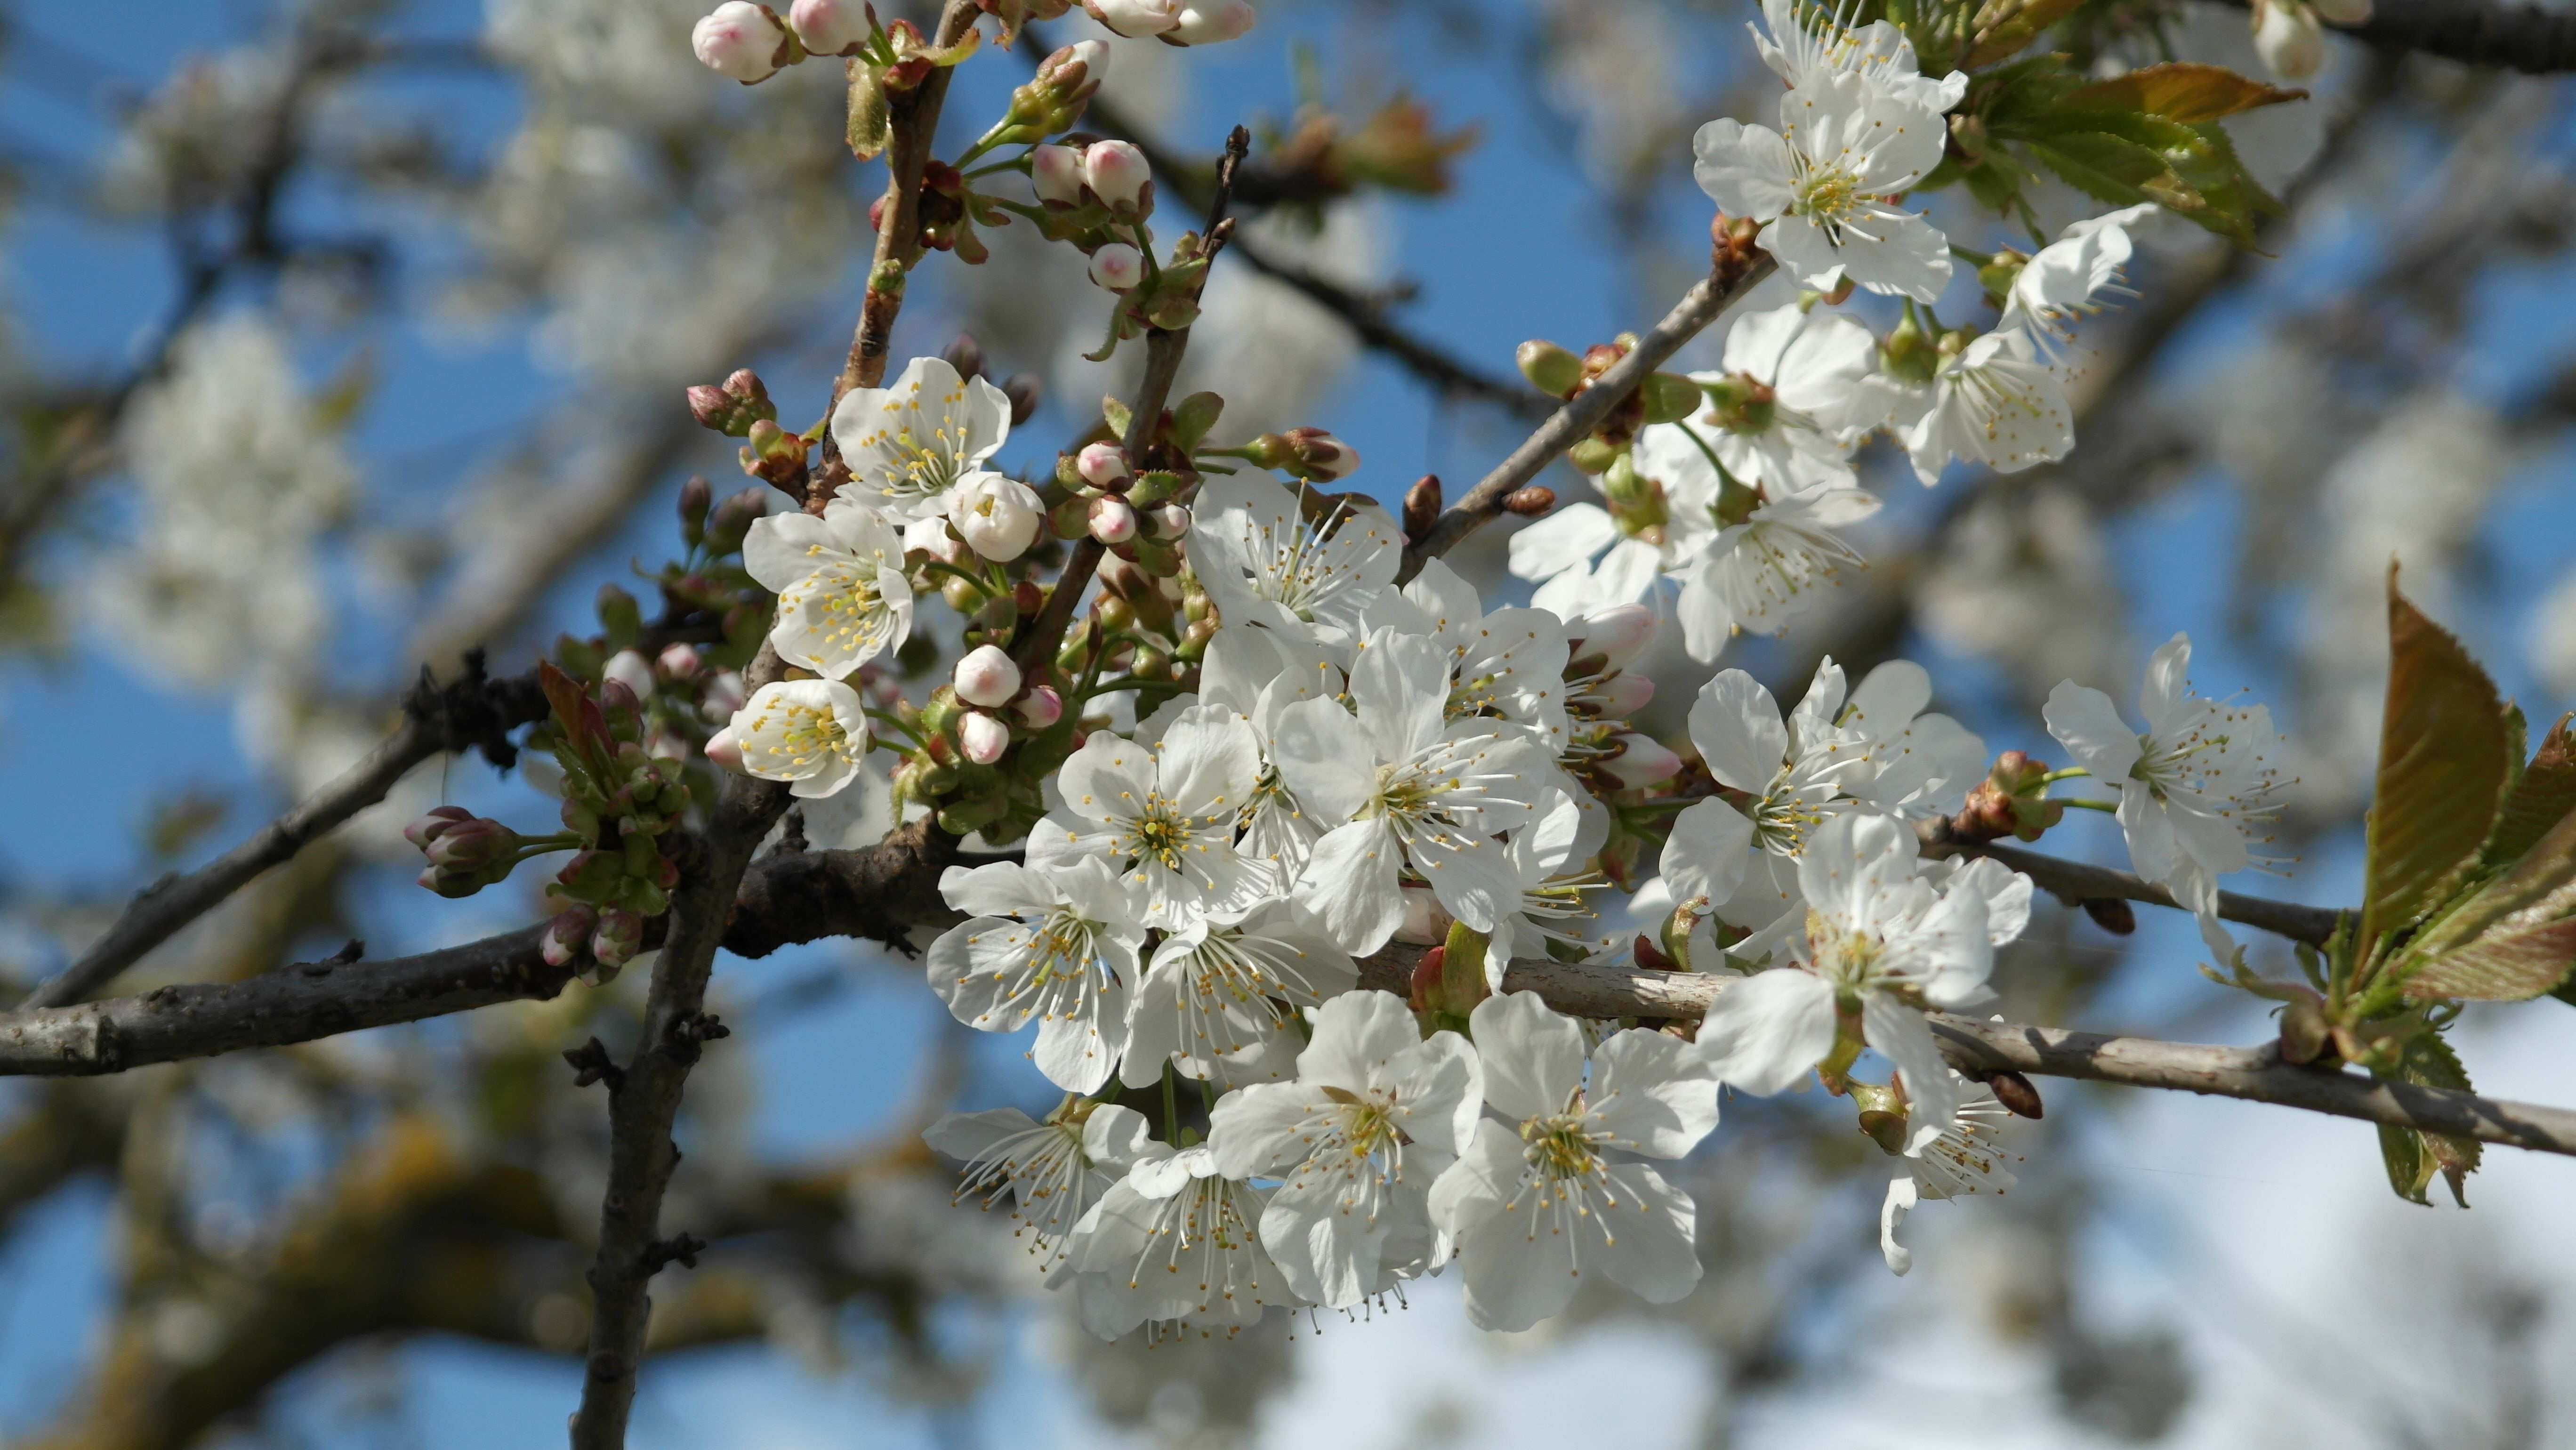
1741,504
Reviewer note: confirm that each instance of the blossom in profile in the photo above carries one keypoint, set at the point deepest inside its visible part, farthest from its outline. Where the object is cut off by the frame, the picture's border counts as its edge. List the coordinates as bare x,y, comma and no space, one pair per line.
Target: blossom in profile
1971,1154
1053,1171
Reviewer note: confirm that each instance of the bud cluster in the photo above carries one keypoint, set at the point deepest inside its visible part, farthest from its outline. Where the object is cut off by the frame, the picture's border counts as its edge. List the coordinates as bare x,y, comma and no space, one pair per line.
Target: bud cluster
2011,801
1661,398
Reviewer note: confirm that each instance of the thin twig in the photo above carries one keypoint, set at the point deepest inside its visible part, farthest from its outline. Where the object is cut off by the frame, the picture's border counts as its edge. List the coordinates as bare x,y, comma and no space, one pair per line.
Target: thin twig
1584,411
467,712
2074,882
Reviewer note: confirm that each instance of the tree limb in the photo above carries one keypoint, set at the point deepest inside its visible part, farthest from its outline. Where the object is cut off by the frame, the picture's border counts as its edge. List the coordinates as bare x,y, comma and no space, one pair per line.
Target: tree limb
1735,275
2523,38
2074,882
466,712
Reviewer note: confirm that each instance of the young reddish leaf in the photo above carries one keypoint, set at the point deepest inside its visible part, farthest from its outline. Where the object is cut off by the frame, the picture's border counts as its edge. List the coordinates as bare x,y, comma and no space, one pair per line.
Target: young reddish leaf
2182,91
2537,890
576,712
2541,797
2509,964
2009,34
2443,763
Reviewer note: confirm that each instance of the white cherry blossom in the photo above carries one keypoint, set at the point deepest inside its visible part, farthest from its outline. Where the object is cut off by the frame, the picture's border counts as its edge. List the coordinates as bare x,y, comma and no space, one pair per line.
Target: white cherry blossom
1787,401
842,596
2194,786
1176,1240
1163,813
1556,1190
911,442
1971,1155
1054,1171
1409,791
1996,403
1775,565
811,732
1506,665
1377,1111
1220,997
1881,944
2059,282
1806,43
1263,563
1846,141
1053,944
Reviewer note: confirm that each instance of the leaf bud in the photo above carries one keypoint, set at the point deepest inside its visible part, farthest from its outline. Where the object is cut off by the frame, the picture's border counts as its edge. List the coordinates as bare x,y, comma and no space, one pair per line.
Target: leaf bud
732,519
1669,397
1550,369
964,354
1529,502
1026,392
1422,507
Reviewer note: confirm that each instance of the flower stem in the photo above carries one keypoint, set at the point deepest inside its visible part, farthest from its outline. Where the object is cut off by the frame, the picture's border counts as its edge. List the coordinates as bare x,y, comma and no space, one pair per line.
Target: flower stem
2111,807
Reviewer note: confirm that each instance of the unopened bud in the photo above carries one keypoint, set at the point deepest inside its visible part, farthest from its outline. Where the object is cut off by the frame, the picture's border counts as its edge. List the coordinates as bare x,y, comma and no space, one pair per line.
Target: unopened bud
732,519
1622,695
997,516
1529,502
567,936
1308,453
1112,520
1551,369
982,738
1422,507
2015,1092
986,677
1134,19
1211,21
1102,465
830,27
1640,762
741,41
1169,521
1025,392
1117,267
1617,634
619,935
439,821
2112,914
1055,172
725,695
1071,76
1040,708
630,669
724,750
1117,173
964,354
679,662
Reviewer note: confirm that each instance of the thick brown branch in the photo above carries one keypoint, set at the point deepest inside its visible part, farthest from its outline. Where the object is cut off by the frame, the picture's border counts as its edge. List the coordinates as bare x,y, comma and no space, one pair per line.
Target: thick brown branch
1583,412
469,711
2074,882
2525,38
641,1155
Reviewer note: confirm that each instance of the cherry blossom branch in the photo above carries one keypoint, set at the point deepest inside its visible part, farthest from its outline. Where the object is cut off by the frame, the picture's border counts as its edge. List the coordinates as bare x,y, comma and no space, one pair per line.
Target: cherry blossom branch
2525,38
1734,273
2074,882
467,712
2252,1074
914,123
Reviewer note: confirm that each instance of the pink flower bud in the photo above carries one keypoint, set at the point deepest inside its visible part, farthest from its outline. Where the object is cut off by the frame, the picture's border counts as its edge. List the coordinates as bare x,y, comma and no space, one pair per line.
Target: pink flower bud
830,27
1622,695
1094,55
1618,634
1040,708
439,821
1116,172
1102,465
986,677
725,696
1117,266
1135,18
997,516
1056,172
1171,521
679,662
614,942
982,737
628,668
471,844
1213,20
566,935
1640,762
1322,455
724,750
1113,520
1426,923
740,40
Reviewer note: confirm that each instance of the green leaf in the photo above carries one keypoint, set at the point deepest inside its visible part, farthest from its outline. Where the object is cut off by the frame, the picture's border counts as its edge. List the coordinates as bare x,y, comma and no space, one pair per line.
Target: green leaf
2182,91
2443,760
2017,25
2540,798
2413,1157
2509,964
2101,165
